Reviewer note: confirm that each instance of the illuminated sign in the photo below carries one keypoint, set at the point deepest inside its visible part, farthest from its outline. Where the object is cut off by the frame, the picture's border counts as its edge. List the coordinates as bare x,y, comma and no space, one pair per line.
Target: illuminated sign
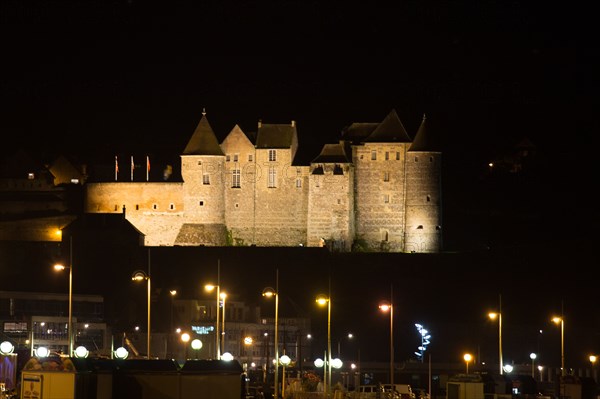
203,330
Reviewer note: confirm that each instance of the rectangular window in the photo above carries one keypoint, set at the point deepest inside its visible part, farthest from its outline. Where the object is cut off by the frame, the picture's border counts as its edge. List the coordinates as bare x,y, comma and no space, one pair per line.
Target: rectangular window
206,179
373,155
386,176
227,158
272,155
397,155
386,198
298,183
235,178
250,157
235,157
387,156
272,183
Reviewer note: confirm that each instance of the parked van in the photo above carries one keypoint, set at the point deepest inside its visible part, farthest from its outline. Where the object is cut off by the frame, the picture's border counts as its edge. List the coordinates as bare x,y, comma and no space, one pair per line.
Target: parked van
399,391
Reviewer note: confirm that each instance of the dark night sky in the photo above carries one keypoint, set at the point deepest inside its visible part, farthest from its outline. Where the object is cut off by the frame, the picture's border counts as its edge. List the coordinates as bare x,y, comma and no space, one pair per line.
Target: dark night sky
95,79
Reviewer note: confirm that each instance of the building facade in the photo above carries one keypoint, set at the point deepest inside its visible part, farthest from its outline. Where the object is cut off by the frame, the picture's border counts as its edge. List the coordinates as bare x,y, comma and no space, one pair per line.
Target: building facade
375,190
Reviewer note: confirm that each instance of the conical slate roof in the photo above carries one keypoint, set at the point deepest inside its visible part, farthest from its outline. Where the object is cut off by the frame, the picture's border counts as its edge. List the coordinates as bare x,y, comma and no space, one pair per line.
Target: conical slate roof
424,140
203,141
331,153
390,130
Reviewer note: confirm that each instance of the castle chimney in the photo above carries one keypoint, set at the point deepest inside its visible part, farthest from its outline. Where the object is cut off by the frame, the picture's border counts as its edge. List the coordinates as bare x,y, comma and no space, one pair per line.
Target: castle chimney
259,123
293,123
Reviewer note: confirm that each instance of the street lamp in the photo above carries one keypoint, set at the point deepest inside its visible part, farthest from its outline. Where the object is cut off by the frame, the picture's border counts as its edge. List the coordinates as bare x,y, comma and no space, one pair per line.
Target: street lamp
322,300
532,356
285,361
388,307
70,267
270,292
223,296
467,358
561,321
209,288
493,316
185,338
140,275
196,346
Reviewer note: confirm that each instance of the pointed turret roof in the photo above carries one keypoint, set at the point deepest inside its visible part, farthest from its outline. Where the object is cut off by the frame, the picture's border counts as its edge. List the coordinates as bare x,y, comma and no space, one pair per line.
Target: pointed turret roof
390,130
424,140
203,141
332,153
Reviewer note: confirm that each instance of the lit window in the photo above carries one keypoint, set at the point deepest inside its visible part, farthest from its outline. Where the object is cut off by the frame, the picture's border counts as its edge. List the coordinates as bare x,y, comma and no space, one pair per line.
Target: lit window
272,183
30,176
235,178
272,155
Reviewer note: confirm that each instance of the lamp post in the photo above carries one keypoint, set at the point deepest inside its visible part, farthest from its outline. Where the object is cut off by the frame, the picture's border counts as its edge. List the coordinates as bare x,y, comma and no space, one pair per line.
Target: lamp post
185,338
209,288
467,358
223,297
532,356
322,300
285,361
389,307
70,267
173,293
561,321
493,316
140,275
270,292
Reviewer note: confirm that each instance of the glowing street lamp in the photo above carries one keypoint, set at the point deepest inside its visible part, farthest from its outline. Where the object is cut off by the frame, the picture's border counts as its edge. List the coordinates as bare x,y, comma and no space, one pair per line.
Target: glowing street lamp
269,292
532,356
210,288
285,361
323,300
593,359
561,321
185,338
494,316
467,358
140,275
223,297
70,267
388,307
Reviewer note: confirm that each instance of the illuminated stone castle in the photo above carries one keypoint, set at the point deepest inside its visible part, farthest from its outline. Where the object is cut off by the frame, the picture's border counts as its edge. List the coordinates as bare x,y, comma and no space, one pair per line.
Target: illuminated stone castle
374,190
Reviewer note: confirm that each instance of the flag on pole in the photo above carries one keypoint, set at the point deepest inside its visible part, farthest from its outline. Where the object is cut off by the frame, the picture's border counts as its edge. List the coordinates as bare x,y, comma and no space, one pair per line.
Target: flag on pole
132,167
116,168
147,167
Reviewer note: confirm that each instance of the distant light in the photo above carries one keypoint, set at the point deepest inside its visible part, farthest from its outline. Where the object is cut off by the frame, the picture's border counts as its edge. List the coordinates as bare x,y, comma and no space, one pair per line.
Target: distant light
121,353
42,351
185,337
507,368
81,352
227,357
285,360
196,344
532,356
6,348
336,363
319,362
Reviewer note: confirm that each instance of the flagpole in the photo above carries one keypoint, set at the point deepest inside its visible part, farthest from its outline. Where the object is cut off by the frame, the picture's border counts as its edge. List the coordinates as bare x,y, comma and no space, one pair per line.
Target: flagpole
116,168
132,166
147,168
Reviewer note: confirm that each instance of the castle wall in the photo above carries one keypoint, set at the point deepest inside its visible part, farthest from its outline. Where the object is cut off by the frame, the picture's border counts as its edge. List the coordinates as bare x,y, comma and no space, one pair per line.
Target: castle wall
380,195
331,208
423,202
281,210
240,191
156,209
204,188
